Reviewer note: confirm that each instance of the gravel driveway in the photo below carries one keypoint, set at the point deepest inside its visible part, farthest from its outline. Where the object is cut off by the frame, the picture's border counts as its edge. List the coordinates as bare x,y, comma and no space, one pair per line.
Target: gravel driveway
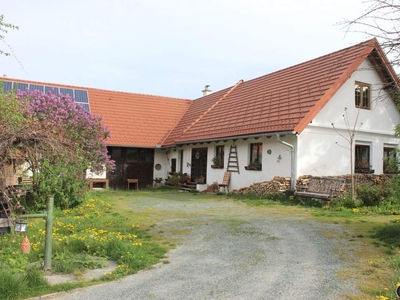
228,250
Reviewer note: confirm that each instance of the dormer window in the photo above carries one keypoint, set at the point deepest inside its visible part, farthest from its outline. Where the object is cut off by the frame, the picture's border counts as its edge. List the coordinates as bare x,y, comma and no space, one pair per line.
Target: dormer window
363,95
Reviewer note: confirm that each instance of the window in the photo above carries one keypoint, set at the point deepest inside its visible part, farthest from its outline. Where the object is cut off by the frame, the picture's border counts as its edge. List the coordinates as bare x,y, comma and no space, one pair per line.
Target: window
256,153
390,162
145,155
132,155
362,159
115,153
362,95
218,160
173,165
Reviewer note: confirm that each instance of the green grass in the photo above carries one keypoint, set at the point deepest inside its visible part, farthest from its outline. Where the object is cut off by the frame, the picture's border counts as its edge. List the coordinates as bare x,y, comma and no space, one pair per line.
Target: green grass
83,238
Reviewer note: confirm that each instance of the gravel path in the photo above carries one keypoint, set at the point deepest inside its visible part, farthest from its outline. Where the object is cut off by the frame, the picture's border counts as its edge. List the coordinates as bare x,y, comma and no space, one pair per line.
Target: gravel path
232,251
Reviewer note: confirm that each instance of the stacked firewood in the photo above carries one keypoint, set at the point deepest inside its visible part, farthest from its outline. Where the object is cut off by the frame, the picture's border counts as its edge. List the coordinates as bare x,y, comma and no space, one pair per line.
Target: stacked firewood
302,181
265,188
281,184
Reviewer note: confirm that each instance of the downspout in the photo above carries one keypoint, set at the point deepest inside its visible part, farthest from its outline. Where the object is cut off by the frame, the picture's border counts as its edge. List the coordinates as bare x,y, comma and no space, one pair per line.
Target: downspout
292,163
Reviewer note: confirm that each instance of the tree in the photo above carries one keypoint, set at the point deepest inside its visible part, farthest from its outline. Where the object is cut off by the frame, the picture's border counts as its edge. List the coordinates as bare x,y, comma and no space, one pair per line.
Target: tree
59,140
351,131
381,19
4,27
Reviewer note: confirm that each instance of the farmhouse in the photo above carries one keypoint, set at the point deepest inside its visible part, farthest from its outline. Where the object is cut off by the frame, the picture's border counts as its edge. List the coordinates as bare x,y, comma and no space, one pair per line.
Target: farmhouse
288,123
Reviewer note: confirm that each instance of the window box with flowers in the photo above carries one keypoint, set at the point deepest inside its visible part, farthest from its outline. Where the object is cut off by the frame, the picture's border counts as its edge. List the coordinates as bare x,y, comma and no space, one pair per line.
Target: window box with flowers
255,165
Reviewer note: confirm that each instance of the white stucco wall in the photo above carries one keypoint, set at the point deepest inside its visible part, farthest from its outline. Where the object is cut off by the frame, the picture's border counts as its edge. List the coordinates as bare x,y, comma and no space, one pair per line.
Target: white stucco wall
322,151
271,165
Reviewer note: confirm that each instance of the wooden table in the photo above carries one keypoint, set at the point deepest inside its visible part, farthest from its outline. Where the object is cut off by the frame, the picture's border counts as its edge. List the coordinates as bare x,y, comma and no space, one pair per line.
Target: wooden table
135,181
98,180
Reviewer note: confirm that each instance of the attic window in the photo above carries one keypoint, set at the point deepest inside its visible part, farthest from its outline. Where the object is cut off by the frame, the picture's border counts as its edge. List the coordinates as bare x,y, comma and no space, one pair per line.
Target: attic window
363,95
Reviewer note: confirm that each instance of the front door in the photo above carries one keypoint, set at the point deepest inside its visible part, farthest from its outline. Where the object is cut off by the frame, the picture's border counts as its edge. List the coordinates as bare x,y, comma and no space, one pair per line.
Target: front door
199,163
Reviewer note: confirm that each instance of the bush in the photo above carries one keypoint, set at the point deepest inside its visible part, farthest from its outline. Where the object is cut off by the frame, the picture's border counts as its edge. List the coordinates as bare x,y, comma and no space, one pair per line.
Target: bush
345,201
392,188
370,195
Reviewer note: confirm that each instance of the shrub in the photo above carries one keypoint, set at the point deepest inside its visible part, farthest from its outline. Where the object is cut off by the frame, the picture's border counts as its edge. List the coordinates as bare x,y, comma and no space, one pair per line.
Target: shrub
370,195
345,201
392,187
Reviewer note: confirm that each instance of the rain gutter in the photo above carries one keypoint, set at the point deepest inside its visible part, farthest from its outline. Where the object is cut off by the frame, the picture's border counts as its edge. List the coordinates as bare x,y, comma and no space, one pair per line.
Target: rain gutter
292,162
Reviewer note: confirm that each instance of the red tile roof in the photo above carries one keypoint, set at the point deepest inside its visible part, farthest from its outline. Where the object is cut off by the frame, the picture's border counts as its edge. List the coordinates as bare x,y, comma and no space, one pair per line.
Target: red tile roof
134,120
286,100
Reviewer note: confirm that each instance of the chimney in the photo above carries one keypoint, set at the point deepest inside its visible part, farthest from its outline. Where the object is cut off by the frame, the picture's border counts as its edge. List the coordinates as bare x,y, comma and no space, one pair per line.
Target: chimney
206,90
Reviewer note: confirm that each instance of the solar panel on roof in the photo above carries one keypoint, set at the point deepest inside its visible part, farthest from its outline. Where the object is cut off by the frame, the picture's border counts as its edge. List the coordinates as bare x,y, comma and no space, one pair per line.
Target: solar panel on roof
81,96
33,87
85,106
65,92
21,86
53,89
7,86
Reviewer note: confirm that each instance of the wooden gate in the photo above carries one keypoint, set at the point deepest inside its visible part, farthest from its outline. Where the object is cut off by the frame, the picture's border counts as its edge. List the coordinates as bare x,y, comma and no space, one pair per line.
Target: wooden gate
131,163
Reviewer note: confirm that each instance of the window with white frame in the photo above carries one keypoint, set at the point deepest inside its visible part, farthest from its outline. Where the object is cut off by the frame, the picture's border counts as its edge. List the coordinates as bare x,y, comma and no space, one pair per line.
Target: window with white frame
362,159
390,160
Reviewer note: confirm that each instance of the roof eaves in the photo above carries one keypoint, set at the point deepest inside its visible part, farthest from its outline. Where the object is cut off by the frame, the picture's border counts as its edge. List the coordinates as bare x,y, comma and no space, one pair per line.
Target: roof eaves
370,45
235,137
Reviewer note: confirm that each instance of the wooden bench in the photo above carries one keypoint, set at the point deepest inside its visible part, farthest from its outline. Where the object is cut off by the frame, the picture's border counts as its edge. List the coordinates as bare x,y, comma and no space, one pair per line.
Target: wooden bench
225,182
94,181
322,188
135,181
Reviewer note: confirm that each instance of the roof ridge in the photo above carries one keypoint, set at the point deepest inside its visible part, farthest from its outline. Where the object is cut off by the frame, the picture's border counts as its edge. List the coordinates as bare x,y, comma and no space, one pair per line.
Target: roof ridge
176,124
83,87
210,108
362,44
368,47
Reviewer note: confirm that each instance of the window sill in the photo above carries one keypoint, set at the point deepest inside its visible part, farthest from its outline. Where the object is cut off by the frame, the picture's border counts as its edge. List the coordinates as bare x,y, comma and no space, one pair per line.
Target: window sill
360,107
253,168
364,171
217,166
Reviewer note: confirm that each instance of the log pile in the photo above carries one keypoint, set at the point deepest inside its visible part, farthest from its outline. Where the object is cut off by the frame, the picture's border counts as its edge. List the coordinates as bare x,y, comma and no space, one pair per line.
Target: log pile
281,184
265,188
302,181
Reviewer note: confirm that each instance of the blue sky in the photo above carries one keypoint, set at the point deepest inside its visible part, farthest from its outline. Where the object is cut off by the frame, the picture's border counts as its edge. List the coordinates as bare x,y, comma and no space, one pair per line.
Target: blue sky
169,48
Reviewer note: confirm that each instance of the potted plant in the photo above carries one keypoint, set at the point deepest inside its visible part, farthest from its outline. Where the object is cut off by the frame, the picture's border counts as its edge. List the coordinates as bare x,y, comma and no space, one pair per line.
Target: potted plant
218,162
200,180
200,183
186,178
254,165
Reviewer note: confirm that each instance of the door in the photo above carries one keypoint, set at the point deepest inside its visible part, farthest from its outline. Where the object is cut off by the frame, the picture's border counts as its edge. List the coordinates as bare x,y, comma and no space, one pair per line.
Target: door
199,163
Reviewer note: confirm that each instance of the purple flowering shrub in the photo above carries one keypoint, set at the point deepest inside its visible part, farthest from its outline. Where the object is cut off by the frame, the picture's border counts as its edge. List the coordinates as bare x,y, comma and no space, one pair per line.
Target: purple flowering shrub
61,171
